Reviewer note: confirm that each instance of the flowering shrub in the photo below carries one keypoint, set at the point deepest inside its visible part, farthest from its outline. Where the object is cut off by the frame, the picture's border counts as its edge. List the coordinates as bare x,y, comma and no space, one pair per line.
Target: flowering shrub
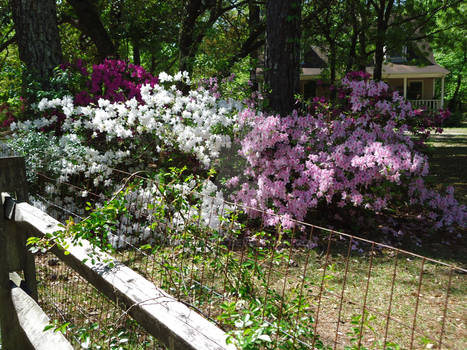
198,123
113,80
355,153
87,142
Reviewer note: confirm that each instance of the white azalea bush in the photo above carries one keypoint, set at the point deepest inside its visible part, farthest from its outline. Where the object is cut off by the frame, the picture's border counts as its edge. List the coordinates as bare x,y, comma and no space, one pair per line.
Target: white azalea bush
82,145
199,123
157,211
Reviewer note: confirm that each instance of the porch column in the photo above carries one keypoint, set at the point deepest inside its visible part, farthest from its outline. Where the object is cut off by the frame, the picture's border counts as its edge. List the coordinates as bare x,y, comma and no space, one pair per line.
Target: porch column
442,92
405,88
434,88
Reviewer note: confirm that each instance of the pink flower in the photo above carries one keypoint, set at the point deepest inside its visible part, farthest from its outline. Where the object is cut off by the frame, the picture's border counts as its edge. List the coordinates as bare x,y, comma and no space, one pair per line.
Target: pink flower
338,155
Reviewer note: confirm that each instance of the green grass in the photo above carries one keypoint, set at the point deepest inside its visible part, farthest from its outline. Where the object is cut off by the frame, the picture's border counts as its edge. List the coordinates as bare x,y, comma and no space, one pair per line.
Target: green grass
448,161
323,286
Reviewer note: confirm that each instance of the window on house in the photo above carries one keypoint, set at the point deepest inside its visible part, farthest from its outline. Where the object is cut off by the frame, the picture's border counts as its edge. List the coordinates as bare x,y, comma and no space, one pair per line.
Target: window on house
399,56
415,90
309,89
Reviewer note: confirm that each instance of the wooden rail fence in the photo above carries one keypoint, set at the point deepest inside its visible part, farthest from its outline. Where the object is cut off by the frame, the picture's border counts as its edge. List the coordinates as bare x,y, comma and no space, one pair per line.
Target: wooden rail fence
171,322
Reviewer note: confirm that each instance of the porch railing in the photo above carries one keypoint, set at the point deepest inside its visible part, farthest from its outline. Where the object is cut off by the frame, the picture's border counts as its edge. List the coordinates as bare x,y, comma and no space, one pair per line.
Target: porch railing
432,105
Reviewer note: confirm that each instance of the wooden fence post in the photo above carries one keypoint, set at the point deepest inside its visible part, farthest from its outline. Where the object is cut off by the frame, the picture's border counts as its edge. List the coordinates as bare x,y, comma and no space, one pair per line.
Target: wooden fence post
14,255
10,330
13,181
13,177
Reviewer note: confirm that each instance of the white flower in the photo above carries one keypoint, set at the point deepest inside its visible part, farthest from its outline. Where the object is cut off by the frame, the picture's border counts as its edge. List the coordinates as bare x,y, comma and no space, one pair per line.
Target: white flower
163,77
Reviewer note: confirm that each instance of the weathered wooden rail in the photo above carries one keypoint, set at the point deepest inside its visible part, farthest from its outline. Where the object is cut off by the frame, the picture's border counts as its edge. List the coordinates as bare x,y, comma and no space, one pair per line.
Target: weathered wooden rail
171,322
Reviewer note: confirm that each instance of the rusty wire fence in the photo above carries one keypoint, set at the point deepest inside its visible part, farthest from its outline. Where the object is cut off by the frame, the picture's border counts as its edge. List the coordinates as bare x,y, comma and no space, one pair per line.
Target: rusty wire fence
84,314
304,288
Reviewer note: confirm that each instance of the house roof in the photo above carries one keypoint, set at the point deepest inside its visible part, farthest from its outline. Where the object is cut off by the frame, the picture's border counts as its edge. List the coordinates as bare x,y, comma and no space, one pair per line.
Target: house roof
392,70
317,59
311,72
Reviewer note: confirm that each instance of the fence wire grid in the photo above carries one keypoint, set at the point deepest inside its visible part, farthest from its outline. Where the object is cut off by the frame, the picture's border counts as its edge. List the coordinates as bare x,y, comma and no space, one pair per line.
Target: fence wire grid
305,288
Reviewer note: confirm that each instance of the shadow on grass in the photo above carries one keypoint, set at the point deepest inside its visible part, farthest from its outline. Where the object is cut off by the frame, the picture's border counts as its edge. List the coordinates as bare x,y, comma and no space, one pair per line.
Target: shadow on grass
448,167
448,140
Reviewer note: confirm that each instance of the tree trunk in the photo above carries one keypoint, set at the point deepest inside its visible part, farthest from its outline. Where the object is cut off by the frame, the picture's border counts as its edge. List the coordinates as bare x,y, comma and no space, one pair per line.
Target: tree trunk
92,26
362,39
379,57
352,53
454,103
37,37
333,68
282,70
362,57
253,23
153,64
332,62
383,12
193,9
136,53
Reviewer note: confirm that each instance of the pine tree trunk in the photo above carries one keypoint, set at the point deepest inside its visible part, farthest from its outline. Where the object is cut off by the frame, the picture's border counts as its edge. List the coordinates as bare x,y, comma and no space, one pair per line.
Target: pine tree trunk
379,59
362,17
362,58
37,36
282,70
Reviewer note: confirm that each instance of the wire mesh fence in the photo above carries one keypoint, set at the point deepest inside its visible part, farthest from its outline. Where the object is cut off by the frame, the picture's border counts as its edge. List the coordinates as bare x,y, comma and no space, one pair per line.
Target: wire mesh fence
302,288
84,314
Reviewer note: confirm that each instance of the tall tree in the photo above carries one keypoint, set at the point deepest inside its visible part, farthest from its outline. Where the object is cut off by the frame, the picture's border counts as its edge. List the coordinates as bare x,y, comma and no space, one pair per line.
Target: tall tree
144,30
400,23
383,10
240,36
37,36
199,16
7,30
450,47
282,70
326,25
90,24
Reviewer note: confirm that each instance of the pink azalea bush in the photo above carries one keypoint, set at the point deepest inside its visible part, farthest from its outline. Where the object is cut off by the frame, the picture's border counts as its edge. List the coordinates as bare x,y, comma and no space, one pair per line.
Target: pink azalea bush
356,152
112,80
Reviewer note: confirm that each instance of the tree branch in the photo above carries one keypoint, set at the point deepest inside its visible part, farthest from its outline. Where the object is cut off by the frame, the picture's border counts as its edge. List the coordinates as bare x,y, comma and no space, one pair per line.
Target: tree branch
425,36
7,43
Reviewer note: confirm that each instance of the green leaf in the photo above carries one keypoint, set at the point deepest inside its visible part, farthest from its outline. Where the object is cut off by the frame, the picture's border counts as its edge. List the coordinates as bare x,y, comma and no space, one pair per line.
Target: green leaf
49,326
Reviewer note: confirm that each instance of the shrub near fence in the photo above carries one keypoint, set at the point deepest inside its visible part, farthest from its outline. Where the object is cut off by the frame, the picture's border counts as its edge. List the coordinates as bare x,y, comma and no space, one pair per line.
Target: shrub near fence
172,323
309,287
